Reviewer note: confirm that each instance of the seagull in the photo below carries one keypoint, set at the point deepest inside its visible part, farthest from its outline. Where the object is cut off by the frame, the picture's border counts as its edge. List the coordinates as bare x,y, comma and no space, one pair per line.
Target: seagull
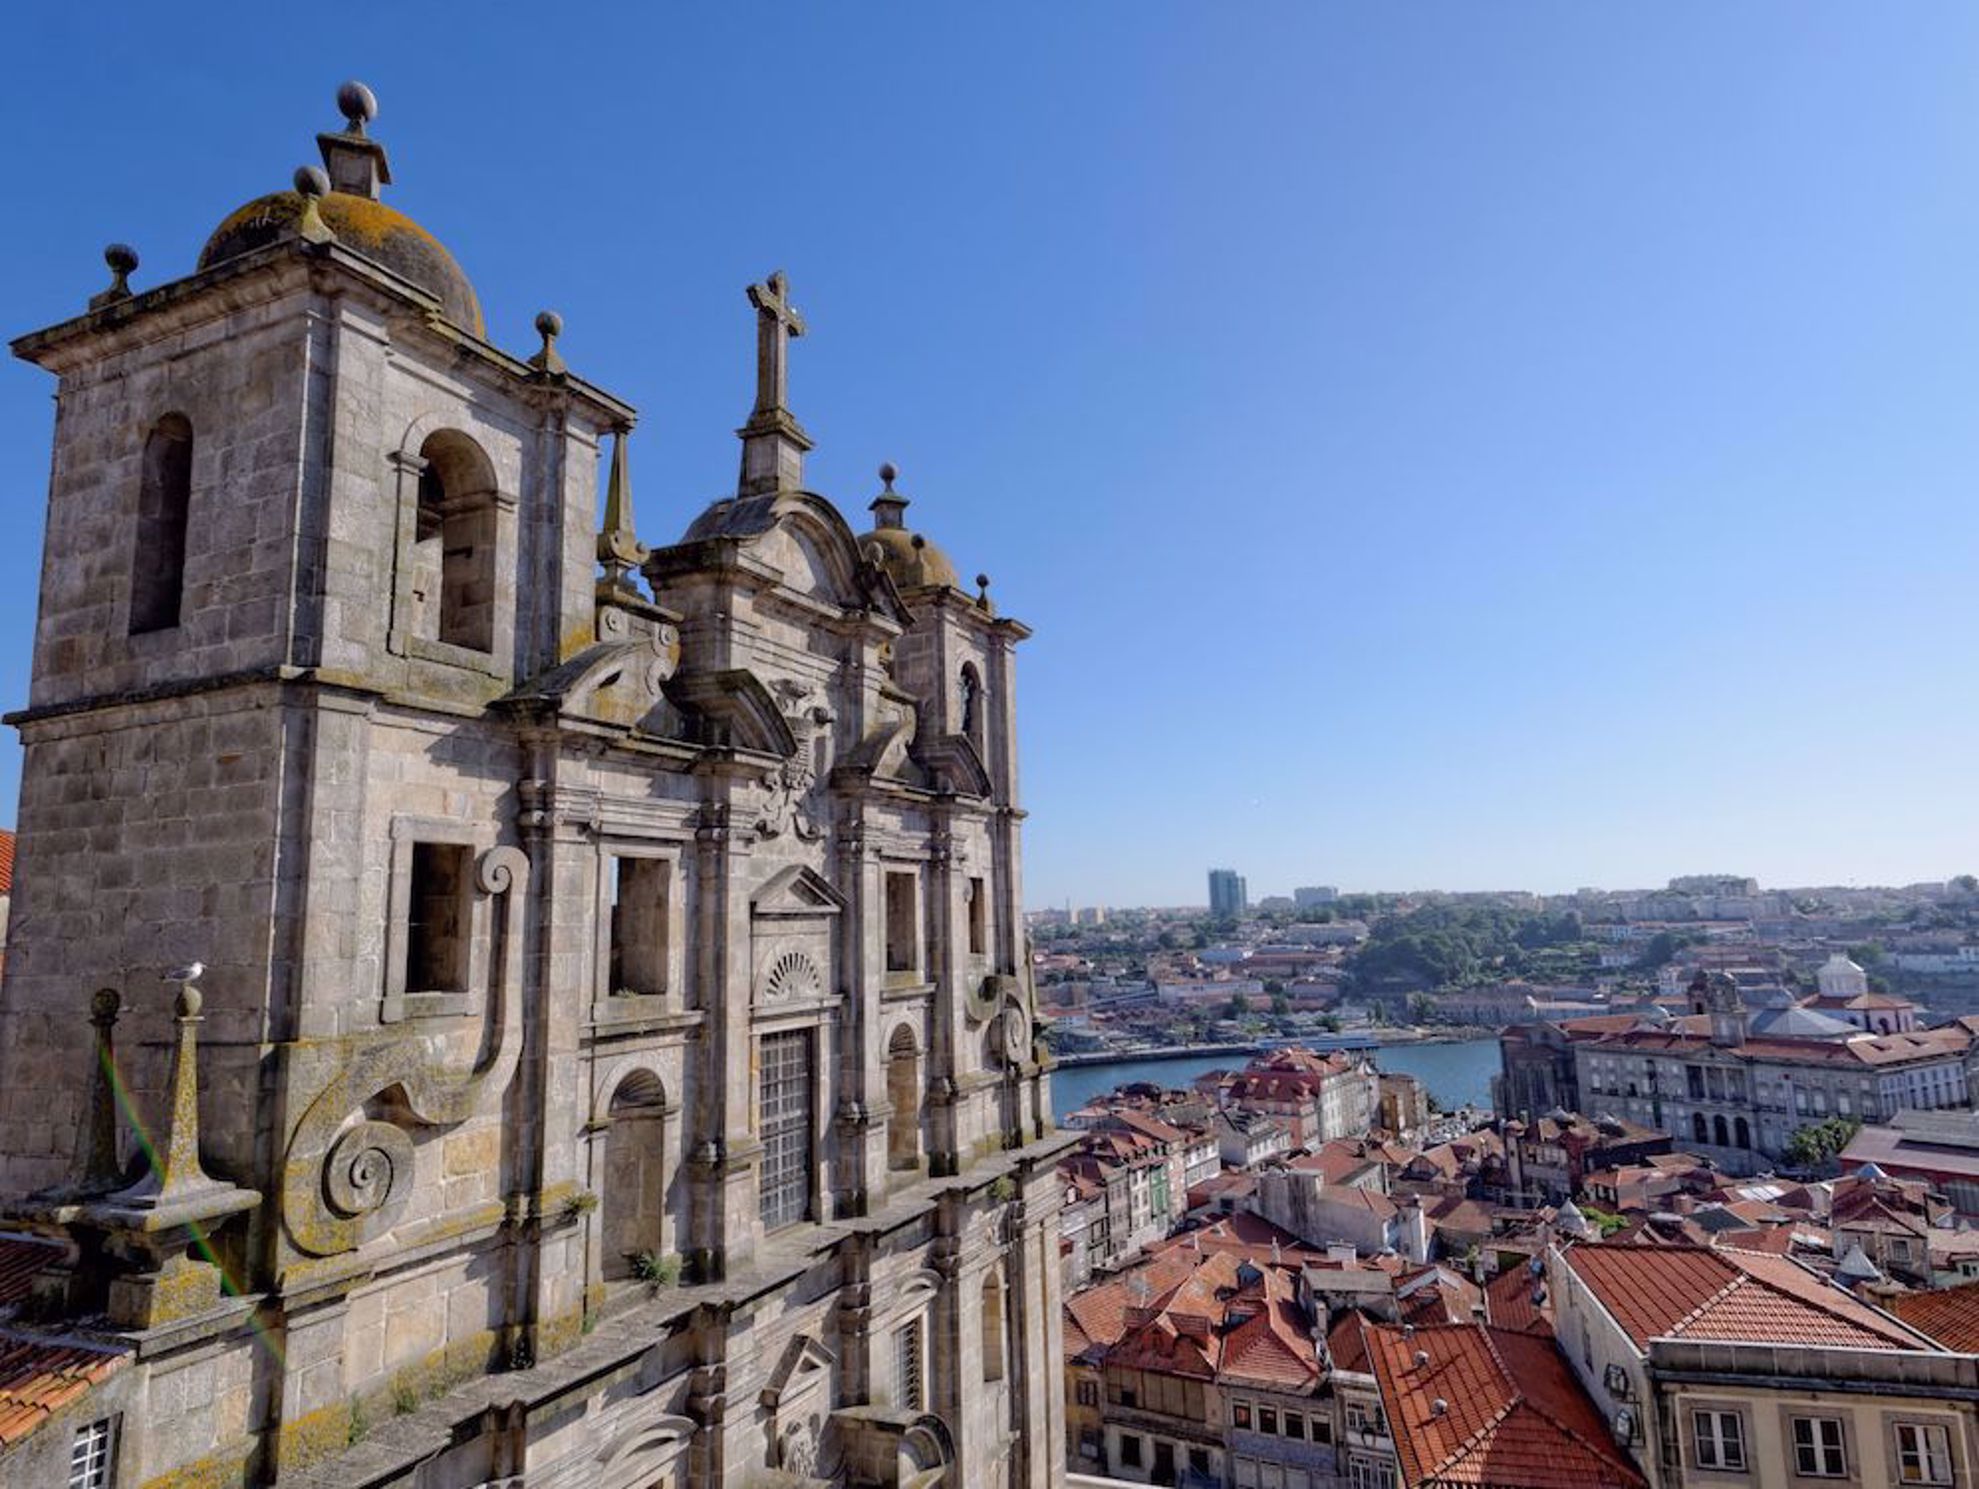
187,973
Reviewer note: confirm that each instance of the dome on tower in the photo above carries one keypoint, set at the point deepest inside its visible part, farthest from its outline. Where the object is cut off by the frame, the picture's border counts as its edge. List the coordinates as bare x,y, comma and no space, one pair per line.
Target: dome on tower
381,233
346,197
909,558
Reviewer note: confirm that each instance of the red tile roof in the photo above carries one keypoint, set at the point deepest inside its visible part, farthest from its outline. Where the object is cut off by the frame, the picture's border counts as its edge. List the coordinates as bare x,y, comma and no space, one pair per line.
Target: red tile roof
1695,1292
21,1258
1949,1315
1475,1406
6,861
1508,1301
40,1376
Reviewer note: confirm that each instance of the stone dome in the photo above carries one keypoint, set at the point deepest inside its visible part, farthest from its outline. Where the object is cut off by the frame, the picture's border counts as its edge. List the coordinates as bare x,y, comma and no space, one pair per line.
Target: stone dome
910,560
382,234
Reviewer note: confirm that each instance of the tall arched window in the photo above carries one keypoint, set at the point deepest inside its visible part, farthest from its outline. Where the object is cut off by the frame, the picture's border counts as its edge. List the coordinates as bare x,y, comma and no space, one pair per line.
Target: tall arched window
1721,1130
634,1198
453,558
164,501
993,1327
1697,1128
903,1094
1744,1131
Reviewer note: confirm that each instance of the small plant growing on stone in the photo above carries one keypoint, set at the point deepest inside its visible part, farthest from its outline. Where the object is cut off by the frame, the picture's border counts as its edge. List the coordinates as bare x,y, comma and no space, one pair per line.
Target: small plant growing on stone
1004,1190
577,1206
405,1400
656,1270
360,1425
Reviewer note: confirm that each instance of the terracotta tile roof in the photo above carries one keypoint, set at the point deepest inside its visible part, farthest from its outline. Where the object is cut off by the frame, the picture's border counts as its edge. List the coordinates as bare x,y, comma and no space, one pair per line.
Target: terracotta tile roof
1695,1292
1476,1406
21,1258
1249,1236
1436,1295
1508,1301
6,861
1949,1315
1346,1342
38,1377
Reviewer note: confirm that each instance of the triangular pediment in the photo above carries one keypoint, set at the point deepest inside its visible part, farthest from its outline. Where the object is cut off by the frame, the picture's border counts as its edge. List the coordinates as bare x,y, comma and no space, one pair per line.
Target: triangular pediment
805,1363
797,892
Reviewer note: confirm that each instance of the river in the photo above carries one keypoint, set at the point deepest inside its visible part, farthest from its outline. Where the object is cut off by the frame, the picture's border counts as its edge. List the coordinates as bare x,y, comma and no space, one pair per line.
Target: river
1456,1074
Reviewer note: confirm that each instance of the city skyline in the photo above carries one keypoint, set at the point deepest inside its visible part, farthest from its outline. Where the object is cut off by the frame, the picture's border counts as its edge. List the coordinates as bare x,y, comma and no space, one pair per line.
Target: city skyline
1560,419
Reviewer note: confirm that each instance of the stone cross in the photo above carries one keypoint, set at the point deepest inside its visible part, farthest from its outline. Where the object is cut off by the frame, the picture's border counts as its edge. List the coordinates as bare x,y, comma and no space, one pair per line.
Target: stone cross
777,321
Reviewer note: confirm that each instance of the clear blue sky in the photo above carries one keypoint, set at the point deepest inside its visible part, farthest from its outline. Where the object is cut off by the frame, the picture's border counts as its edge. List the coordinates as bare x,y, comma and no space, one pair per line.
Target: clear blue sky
1476,446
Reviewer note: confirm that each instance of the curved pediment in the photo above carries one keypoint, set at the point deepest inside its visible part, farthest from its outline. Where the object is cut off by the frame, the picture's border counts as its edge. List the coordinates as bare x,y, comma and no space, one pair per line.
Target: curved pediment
619,681
733,708
806,539
956,766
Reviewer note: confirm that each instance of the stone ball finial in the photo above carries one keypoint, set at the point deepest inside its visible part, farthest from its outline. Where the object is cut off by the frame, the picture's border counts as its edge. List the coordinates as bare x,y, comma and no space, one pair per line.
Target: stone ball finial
358,104
982,581
312,181
549,325
189,1002
104,1003
121,257
888,473
919,541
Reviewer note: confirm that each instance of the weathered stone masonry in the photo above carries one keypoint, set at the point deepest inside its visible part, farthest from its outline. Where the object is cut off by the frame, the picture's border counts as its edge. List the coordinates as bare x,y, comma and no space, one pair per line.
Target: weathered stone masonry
615,1051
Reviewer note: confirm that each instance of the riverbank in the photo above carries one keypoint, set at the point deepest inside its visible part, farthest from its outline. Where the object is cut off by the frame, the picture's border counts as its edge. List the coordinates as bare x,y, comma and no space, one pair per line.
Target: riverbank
1456,1072
1370,1039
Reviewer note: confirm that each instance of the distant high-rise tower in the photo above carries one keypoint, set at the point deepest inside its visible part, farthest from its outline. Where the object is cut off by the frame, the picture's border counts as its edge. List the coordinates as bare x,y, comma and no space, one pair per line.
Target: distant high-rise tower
1228,894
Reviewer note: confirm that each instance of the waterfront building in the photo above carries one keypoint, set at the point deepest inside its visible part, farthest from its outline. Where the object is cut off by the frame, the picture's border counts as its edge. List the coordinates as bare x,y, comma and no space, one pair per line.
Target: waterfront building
1229,896
1721,1089
596,1037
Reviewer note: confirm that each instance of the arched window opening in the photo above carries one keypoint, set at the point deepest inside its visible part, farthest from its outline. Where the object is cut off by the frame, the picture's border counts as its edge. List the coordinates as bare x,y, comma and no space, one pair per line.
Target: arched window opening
903,1094
972,705
1744,1131
1721,1131
992,1327
164,502
634,1198
1698,1129
453,560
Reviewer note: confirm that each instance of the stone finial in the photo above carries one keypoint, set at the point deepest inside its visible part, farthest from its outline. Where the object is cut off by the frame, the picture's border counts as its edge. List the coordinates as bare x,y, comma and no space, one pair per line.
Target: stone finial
122,259
174,1172
356,162
982,592
97,1168
889,507
358,104
773,442
619,548
312,184
549,326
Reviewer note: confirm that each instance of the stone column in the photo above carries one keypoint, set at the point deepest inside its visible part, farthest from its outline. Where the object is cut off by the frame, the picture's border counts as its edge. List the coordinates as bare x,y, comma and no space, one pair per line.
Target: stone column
1038,1325
864,1113
725,1150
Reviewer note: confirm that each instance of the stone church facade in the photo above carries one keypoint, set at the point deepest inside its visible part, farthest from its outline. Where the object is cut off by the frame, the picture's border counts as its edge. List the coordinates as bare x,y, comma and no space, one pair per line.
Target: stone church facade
489,1001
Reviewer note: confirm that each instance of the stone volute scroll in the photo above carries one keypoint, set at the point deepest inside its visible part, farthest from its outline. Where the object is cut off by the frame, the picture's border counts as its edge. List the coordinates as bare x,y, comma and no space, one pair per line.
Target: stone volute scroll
350,1165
